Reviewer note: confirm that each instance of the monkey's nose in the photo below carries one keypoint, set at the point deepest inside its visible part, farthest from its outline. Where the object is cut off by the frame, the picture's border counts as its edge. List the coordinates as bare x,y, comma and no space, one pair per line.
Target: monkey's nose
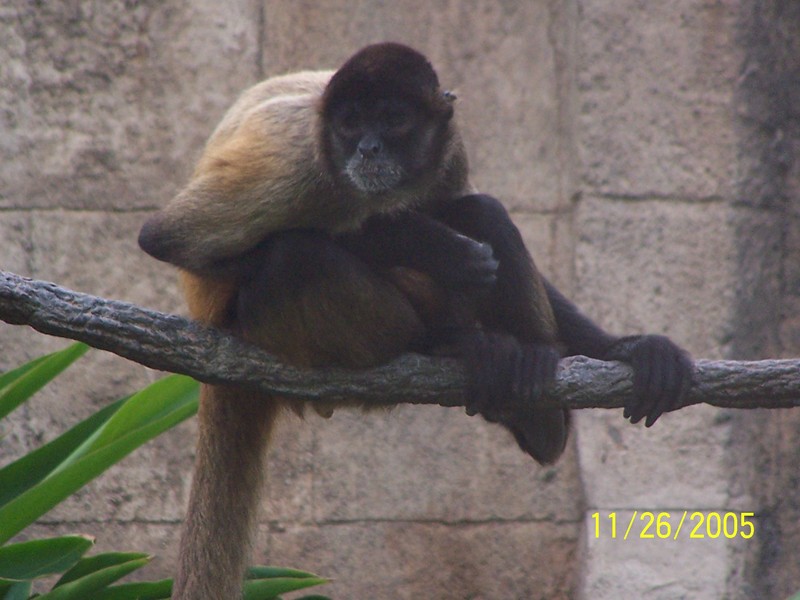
370,146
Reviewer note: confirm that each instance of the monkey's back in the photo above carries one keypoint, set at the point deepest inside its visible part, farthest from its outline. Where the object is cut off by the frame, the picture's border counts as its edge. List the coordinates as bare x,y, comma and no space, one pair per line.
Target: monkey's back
259,173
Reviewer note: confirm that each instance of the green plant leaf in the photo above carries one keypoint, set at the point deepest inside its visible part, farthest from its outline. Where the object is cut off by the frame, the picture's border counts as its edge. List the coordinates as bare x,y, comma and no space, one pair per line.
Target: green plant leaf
85,587
265,582
267,572
16,591
161,590
98,562
23,382
40,558
263,589
32,468
158,401
152,411
150,590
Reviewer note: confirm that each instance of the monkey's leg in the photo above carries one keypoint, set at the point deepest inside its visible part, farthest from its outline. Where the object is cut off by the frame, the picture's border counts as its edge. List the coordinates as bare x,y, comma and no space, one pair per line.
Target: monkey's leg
315,304
517,305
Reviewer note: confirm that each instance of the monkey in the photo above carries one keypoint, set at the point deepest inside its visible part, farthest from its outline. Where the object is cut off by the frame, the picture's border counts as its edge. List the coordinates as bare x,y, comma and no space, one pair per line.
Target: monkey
239,166
331,221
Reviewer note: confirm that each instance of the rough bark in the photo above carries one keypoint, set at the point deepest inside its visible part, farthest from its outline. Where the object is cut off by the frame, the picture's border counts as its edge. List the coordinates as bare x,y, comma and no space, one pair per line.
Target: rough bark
172,343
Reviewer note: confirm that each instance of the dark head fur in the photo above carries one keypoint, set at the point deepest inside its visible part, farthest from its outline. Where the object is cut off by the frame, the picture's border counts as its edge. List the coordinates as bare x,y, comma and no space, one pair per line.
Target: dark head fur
386,70
416,164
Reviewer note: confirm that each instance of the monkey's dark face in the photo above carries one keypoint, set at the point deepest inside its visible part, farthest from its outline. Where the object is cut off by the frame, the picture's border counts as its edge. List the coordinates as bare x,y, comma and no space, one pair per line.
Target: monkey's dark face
384,144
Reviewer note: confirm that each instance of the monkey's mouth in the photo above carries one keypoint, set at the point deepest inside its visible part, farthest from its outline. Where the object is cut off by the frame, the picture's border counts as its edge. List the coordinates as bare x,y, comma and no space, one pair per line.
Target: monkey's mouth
372,176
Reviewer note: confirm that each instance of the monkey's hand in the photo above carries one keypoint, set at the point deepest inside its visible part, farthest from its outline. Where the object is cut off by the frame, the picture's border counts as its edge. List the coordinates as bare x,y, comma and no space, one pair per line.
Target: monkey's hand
506,380
505,377
662,375
470,264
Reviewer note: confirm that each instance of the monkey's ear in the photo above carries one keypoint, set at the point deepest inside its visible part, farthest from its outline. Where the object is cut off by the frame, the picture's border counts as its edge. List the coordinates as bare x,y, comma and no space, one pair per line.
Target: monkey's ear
449,99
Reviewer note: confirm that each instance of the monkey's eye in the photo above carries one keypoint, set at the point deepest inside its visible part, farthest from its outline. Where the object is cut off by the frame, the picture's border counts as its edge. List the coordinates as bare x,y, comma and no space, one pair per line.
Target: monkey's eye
348,123
398,120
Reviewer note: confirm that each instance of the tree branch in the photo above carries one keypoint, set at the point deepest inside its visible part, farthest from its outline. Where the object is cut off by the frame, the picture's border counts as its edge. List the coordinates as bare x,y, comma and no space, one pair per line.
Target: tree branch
172,343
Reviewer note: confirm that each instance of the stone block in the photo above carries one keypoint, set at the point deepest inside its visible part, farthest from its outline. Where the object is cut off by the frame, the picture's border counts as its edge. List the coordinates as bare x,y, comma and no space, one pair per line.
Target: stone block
790,324
431,463
634,567
656,86
660,267
16,343
627,283
433,560
290,485
64,242
105,106
680,461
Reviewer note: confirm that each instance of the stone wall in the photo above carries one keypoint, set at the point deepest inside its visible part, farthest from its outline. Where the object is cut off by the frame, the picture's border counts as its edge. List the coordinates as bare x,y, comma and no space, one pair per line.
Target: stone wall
687,128
646,152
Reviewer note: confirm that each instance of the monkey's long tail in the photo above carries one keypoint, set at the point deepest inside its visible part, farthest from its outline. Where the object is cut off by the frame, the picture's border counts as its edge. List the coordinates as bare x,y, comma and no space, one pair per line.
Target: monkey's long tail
235,425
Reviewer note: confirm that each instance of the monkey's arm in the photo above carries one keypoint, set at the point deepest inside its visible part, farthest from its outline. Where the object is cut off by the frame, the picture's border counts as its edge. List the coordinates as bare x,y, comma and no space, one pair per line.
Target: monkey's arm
532,309
662,370
518,304
516,354
417,241
577,332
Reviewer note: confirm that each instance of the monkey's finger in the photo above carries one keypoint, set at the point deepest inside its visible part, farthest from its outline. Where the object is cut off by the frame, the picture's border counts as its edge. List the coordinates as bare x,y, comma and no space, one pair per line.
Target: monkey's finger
485,253
546,367
507,372
645,367
477,385
687,379
678,380
479,265
669,388
483,271
530,376
664,383
527,377
492,372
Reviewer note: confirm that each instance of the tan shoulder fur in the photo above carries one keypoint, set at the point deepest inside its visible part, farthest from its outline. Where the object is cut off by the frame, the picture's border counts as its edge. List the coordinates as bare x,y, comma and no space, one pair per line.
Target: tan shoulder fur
261,172
257,174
